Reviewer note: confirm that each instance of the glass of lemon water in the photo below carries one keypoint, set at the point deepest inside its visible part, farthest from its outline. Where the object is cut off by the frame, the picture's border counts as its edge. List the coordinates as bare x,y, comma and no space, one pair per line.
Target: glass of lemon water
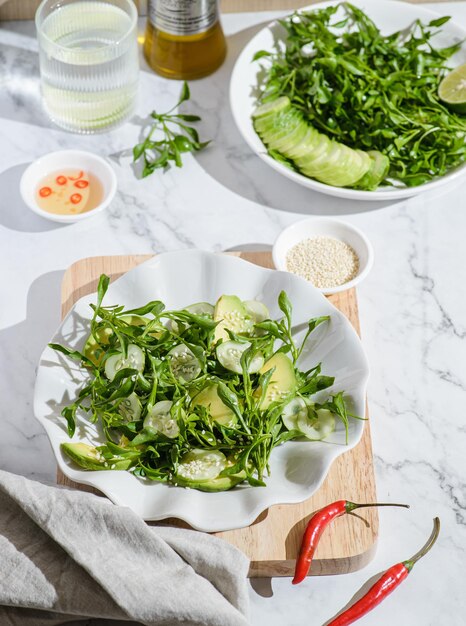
88,62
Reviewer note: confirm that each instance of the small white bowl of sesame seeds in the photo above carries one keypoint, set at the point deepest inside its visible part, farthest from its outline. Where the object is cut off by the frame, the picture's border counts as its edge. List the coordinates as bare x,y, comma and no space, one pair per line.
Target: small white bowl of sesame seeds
331,254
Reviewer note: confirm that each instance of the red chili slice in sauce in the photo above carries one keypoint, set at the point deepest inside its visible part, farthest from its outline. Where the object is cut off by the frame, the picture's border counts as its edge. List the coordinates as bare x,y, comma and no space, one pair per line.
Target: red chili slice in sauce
61,180
44,192
76,198
80,175
81,184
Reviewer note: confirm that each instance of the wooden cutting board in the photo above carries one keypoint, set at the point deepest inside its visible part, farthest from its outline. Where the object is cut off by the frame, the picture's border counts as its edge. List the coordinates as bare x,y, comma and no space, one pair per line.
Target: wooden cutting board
272,541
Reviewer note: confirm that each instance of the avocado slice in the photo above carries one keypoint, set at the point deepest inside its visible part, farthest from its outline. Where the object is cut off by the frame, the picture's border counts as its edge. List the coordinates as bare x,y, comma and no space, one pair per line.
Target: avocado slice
231,313
283,382
89,458
93,348
209,398
221,483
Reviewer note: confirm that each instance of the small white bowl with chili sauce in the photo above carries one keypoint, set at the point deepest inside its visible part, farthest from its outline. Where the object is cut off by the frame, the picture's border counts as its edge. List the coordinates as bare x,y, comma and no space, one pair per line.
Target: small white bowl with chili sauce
349,241
68,185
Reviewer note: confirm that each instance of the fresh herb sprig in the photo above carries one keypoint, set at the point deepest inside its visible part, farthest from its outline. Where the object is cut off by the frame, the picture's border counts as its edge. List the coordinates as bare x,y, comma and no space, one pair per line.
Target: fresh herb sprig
370,91
168,138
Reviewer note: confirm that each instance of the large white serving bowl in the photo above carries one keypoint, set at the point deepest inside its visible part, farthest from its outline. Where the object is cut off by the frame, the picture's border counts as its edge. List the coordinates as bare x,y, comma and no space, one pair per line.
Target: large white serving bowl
389,16
179,279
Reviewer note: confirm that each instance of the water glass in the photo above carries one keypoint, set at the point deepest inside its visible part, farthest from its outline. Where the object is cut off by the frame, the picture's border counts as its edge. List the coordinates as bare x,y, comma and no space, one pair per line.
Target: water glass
88,62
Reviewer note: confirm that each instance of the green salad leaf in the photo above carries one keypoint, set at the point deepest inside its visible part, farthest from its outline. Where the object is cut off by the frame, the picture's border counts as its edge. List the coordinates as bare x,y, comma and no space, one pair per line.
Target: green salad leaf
370,91
177,404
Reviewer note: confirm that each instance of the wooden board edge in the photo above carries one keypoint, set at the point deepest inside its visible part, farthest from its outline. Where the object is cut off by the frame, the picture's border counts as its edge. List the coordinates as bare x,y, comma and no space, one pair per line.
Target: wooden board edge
320,567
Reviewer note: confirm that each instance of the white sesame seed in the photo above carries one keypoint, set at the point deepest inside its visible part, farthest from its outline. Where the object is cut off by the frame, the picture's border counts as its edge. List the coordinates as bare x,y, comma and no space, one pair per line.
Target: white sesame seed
324,261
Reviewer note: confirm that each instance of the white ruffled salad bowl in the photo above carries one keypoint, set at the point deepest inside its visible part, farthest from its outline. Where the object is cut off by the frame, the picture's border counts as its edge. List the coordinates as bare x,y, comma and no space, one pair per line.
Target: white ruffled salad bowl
298,467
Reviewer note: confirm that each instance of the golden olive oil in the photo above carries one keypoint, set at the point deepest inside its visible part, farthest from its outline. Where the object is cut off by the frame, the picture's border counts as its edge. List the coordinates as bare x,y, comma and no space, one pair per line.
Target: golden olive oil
184,38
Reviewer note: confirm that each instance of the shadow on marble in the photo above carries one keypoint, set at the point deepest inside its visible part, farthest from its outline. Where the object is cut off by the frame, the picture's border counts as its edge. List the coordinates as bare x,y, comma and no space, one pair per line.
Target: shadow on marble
250,247
26,341
14,213
234,165
262,586
357,596
20,98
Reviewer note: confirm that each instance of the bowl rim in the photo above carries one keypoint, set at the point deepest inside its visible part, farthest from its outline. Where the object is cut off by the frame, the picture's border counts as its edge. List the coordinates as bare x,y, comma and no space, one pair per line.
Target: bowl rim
279,259
73,154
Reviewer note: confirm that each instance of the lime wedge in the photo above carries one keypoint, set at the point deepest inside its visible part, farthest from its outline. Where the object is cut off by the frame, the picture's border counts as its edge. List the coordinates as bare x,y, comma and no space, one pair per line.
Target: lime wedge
452,89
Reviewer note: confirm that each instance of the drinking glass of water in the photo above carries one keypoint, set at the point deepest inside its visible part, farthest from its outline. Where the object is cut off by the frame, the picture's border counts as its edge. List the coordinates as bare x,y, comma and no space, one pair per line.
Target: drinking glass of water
88,62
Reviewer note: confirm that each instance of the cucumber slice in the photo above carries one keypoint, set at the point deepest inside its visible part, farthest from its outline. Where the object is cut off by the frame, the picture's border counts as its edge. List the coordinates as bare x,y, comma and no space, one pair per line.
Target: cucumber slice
272,128
184,364
292,411
271,108
257,310
316,425
134,359
201,308
326,157
161,420
130,408
290,139
283,129
93,349
353,165
306,145
200,465
229,354
345,169
278,125
214,485
321,145
379,164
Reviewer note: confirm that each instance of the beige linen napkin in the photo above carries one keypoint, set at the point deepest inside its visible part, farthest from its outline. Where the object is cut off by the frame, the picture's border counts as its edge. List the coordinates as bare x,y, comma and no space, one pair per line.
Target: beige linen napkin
68,555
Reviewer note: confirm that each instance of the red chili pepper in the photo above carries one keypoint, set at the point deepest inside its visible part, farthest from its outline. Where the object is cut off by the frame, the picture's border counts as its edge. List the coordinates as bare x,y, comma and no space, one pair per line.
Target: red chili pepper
44,192
80,175
387,583
76,198
316,526
61,180
81,184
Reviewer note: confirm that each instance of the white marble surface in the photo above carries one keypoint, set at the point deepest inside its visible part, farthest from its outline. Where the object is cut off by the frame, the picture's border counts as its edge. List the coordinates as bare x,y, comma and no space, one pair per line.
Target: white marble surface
412,314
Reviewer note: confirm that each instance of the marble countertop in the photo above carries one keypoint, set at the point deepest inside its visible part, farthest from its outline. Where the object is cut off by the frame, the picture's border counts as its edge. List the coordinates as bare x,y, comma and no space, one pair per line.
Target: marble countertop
411,305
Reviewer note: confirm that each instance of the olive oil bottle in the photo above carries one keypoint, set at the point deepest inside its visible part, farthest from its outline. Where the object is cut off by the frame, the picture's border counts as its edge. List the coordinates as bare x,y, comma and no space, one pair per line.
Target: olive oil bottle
184,38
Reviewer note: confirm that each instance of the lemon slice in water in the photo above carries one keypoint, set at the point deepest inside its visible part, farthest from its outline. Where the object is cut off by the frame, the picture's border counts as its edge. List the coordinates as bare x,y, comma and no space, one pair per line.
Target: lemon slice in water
452,89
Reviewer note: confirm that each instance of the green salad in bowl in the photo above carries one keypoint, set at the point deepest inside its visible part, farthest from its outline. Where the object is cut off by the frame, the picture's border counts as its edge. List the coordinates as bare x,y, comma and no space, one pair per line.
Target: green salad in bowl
358,98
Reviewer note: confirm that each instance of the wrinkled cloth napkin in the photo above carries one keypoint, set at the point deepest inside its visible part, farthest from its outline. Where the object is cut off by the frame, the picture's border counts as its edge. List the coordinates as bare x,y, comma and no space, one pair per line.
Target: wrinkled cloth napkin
68,555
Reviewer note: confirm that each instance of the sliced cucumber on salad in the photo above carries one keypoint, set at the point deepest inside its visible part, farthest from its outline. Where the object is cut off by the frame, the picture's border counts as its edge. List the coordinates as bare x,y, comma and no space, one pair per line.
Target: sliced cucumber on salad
160,420
197,397
301,416
134,359
184,364
229,354
283,128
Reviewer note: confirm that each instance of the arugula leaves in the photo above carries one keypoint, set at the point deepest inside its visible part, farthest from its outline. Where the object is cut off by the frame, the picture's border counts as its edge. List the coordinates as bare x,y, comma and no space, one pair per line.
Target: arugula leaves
247,440
174,138
370,91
